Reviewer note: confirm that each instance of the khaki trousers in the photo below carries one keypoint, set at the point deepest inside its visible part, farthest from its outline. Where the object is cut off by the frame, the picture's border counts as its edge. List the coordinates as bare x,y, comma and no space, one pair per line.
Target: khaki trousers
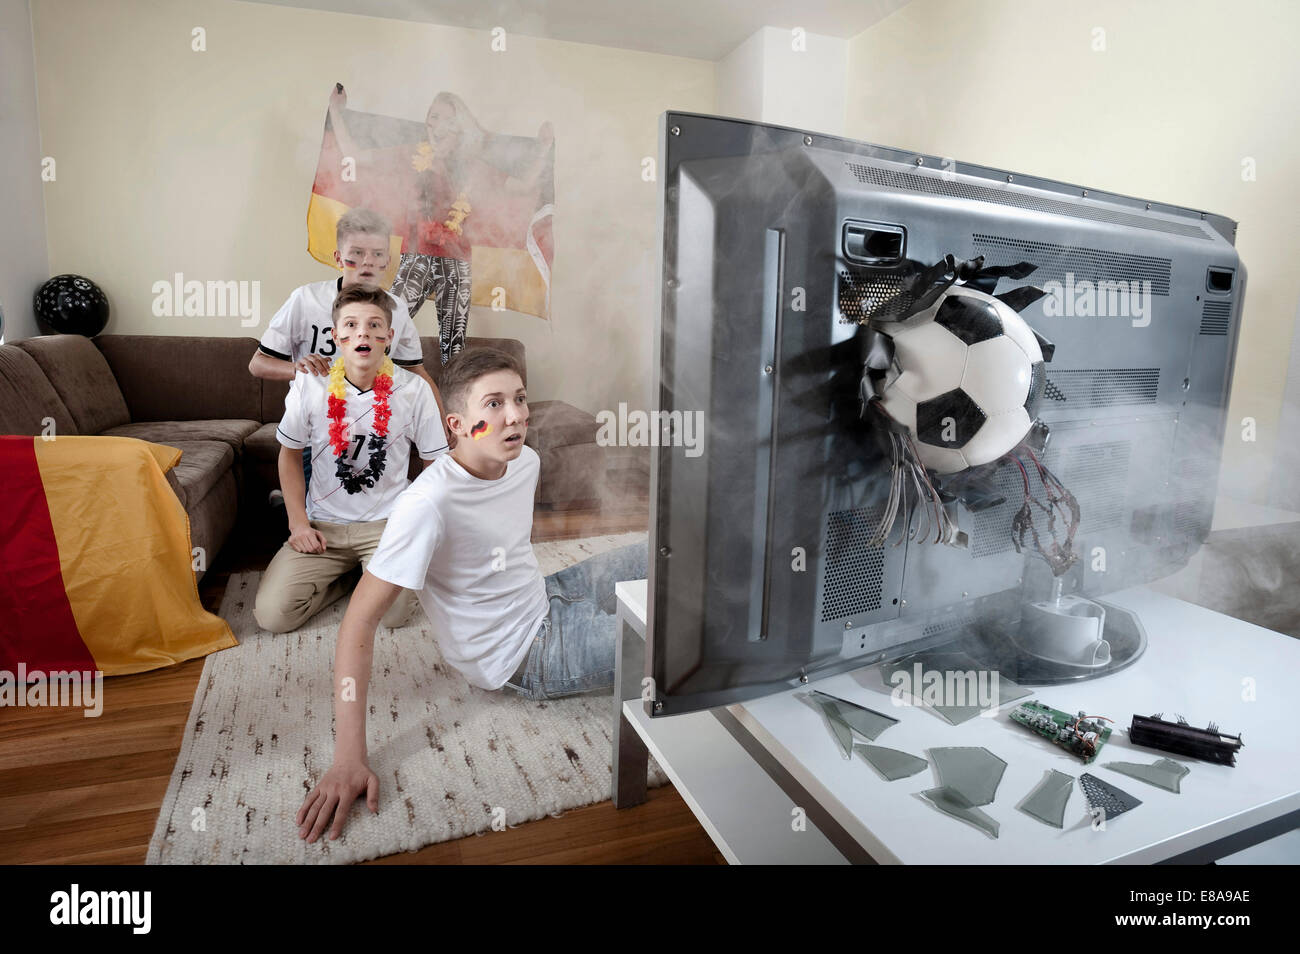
296,585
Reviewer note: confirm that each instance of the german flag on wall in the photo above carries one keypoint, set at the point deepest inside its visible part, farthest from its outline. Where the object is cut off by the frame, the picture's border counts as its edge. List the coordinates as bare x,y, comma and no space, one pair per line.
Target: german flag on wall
95,561
506,235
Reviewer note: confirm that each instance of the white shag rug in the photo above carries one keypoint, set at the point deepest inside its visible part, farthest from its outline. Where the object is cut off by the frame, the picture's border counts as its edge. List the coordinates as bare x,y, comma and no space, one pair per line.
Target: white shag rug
450,758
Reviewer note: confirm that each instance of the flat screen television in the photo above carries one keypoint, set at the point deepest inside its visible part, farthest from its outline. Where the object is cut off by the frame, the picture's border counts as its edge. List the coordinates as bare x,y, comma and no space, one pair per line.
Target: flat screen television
766,569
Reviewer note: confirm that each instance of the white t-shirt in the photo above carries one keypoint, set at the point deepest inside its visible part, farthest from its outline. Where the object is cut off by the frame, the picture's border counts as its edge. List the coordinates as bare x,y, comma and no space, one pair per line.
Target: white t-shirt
465,544
413,419
302,326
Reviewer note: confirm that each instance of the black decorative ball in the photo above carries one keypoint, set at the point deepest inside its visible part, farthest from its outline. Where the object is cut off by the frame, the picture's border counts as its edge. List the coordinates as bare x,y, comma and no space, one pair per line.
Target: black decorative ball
71,305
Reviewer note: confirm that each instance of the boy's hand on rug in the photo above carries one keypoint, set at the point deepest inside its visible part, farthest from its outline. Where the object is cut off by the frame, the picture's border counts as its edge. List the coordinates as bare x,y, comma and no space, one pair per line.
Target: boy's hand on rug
306,539
333,798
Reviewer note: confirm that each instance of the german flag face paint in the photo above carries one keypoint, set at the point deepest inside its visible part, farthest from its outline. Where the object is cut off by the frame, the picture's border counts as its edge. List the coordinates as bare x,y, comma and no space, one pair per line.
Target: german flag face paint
481,429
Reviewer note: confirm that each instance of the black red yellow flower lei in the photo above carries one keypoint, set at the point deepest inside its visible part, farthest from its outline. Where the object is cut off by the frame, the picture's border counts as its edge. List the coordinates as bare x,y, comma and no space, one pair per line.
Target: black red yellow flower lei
355,481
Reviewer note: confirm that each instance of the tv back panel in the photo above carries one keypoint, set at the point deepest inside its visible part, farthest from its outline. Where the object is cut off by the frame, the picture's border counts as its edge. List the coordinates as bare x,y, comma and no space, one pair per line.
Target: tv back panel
775,242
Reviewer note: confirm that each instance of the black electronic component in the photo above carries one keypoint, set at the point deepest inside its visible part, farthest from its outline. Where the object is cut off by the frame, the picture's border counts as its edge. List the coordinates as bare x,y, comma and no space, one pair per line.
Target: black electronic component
1209,743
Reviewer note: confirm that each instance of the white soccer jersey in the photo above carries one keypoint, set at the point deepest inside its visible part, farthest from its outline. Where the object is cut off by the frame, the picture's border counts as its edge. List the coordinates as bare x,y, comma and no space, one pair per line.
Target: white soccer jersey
413,419
302,327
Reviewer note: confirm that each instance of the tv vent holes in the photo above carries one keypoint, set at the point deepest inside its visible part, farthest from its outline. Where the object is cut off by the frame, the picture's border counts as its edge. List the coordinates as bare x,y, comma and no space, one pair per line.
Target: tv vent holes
1215,317
854,574
864,295
1105,387
1055,262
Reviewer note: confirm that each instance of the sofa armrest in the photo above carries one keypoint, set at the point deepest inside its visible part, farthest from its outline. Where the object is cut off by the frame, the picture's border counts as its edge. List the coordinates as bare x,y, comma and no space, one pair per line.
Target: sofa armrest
27,398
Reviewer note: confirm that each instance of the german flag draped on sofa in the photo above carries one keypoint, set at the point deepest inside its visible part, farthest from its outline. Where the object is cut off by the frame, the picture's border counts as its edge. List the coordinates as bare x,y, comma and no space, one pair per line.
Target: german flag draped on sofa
95,561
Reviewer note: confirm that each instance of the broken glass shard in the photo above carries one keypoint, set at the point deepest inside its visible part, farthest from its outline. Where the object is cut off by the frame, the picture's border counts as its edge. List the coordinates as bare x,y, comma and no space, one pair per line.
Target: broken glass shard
973,772
1048,799
891,763
954,804
843,734
867,723
953,684
1163,773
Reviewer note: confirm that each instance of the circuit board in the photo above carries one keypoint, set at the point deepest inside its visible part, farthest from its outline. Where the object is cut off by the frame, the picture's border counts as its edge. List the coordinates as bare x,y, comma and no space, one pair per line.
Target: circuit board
1081,735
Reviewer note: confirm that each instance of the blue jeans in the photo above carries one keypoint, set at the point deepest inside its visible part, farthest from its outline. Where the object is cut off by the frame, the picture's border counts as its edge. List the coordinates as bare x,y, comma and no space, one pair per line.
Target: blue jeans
573,650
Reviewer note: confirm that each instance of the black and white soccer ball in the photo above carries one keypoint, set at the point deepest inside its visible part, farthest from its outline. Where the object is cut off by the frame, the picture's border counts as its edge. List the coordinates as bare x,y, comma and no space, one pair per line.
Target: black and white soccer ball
966,379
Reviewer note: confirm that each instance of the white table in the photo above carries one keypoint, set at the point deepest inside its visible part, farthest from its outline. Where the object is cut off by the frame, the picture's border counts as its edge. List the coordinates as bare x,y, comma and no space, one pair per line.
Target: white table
778,752
745,812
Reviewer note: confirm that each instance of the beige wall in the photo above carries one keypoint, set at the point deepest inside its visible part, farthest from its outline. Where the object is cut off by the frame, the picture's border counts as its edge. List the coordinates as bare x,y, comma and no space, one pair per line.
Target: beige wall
770,79
740,80
23,262
175,161
1182,93
805,87
171,160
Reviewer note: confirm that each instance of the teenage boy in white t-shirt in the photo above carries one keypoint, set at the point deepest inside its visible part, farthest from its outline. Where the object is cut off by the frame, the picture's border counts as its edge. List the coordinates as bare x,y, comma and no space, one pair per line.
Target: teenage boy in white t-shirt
360,422
299,338
461,536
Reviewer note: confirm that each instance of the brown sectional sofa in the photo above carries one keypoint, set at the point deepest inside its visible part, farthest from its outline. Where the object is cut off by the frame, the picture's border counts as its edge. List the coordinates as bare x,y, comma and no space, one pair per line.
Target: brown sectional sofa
196,394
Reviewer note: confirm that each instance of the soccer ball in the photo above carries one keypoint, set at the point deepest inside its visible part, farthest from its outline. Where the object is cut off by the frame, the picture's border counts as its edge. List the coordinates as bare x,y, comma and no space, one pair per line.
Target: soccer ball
966,379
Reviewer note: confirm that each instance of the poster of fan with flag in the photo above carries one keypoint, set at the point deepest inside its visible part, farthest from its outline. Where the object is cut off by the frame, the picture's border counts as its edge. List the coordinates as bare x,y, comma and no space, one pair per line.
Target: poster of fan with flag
470,210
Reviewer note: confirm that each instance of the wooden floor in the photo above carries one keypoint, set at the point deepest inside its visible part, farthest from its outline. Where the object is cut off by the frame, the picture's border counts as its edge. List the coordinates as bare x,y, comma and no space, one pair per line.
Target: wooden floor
75,790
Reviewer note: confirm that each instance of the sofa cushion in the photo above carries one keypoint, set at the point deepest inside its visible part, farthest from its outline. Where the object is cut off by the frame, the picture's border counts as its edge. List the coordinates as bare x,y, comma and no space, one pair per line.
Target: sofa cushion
212,519
433,354
261,461
572,477
27,397
232,432
556,424
184,378
82,378
202,464
273,395
263,443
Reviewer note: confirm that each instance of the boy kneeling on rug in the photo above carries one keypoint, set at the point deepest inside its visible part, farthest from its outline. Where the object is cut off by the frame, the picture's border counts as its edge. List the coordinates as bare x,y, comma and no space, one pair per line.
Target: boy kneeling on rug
364,417
461,535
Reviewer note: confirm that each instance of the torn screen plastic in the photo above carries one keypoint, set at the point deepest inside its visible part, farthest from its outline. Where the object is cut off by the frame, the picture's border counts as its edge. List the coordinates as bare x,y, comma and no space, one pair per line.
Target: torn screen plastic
1163,773
891,763
948,682
1048,799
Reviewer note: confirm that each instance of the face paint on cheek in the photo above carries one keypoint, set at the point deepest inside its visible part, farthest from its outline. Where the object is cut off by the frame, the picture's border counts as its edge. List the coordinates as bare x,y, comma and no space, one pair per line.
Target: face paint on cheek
348,263
481,429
